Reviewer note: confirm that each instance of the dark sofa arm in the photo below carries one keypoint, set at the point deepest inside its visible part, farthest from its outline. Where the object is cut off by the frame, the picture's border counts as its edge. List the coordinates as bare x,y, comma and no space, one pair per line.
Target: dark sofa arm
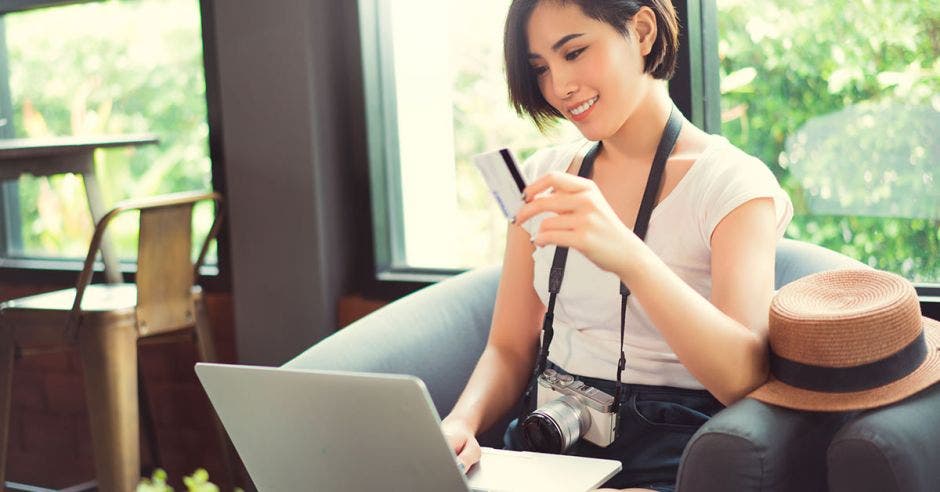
890,449
753,446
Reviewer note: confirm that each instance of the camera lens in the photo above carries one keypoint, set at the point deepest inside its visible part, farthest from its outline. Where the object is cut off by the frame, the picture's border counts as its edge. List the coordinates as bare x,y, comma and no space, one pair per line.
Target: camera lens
541,434
555,426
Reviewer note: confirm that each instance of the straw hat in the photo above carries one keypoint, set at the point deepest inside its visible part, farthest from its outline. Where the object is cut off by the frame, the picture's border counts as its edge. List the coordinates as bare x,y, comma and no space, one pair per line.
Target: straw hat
849,340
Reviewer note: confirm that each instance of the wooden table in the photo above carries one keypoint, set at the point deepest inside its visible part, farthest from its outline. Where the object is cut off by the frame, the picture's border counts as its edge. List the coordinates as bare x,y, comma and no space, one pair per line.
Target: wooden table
61,155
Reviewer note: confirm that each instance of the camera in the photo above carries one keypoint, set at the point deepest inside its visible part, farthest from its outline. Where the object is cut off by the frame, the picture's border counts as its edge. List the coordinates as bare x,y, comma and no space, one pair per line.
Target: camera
567,411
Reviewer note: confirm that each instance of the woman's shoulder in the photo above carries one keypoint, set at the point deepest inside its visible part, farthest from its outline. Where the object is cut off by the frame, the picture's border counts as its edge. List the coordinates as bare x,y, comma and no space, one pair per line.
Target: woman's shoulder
553,158
728,177
722,159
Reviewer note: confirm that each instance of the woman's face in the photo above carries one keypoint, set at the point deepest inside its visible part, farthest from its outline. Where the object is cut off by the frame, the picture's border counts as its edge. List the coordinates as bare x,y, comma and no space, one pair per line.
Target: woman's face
589,72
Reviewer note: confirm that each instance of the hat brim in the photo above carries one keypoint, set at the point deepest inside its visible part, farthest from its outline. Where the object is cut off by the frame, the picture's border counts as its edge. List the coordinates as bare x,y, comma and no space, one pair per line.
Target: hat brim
781,394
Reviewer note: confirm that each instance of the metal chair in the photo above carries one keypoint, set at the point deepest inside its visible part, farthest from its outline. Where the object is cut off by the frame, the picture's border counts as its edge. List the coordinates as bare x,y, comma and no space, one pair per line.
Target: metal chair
105,321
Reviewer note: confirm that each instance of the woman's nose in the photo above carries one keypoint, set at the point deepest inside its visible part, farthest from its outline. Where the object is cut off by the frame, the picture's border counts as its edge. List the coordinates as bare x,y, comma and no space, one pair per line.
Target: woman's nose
563,83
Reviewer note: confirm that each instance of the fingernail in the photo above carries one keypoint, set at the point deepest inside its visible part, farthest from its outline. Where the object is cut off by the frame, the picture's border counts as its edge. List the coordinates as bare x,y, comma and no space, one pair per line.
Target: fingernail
524,197
461,466
532,240
512,220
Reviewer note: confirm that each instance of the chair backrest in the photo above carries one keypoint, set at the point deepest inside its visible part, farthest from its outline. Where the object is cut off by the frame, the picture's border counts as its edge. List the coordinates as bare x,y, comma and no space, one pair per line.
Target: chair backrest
797,259
165,270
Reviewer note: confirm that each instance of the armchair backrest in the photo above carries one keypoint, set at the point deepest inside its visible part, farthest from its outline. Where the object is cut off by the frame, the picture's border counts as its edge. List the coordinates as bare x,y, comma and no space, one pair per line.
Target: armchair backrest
439,332
797,259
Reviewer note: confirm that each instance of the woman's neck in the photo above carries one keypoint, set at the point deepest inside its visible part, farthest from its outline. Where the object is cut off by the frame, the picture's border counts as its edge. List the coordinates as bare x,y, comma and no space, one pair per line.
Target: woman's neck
636,141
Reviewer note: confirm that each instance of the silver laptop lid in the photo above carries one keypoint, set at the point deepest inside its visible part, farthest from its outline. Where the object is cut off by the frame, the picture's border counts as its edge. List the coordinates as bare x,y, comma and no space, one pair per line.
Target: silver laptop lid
324,430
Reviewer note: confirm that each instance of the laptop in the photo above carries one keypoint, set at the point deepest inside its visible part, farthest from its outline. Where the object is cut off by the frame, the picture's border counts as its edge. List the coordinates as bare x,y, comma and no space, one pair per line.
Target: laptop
336,431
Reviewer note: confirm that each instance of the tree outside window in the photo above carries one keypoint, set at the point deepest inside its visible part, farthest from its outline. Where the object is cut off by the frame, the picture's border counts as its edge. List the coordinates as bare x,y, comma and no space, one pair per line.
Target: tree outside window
841,100
107,68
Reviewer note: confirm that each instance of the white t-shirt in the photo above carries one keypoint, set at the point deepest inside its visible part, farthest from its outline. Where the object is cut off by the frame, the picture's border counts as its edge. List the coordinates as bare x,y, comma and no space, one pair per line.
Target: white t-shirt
587,310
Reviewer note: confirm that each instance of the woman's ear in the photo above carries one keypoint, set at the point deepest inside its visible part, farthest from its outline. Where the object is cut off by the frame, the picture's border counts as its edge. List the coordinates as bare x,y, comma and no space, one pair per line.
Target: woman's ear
644,23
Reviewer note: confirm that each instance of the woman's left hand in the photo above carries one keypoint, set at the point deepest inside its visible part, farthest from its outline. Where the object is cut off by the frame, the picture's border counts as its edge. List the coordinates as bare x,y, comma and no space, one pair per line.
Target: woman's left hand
585,221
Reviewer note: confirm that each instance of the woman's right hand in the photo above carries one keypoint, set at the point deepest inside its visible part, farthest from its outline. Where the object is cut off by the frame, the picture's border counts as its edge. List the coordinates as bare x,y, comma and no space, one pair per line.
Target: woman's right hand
461,439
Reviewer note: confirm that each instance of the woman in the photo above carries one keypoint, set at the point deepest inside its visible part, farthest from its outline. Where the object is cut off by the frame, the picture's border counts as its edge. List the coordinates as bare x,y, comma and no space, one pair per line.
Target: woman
701,283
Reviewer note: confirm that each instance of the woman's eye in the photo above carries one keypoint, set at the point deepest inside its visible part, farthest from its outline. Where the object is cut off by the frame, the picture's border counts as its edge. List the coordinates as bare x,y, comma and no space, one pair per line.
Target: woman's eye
574,54
539,70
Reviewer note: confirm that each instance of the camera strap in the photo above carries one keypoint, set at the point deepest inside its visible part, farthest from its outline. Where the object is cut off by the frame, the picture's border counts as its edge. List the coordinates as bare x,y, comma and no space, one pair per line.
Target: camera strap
653,185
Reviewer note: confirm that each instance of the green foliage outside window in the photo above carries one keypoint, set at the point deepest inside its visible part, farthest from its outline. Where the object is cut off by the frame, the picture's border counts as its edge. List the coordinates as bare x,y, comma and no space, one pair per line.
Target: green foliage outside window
792,71
868,72
838,98
107,68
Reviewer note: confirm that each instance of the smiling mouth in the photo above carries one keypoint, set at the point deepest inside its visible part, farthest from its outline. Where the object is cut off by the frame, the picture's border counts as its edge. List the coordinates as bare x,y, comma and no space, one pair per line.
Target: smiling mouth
584,107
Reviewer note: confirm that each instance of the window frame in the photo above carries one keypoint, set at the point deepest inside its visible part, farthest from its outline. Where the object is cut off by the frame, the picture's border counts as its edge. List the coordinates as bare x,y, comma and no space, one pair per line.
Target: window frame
52,271
9,199
695,89
11,6
694,81
385,189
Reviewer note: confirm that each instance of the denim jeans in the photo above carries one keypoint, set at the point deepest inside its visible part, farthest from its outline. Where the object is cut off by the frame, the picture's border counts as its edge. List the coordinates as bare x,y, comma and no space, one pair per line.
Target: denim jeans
656,422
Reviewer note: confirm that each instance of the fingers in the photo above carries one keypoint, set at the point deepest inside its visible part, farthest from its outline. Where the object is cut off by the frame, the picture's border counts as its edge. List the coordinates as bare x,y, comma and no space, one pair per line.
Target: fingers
567,222
457,443
559,181
566,195
559,203
562,238
464,444
469,455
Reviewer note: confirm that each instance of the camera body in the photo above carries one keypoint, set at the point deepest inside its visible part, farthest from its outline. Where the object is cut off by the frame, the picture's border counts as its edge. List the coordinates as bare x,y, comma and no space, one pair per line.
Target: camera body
573,409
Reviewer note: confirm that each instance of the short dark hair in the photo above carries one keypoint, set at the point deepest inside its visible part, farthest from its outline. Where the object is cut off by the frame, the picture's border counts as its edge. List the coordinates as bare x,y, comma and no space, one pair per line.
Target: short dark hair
524,93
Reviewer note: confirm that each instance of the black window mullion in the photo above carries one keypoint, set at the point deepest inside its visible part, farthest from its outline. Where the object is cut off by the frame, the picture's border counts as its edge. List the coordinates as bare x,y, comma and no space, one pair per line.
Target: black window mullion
710,69
378,68
6,101
11,236
210,68
695,87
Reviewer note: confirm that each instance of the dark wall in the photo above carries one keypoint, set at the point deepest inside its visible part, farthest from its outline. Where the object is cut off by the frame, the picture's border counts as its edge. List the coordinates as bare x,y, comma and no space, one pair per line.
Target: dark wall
293,149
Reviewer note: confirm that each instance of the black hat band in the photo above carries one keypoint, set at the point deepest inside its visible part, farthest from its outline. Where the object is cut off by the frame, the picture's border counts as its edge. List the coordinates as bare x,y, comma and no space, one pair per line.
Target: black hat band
850,379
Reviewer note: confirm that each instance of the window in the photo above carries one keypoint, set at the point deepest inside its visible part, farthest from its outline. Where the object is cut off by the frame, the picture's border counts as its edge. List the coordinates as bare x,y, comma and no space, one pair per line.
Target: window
842,100
441,94
102,68
839,99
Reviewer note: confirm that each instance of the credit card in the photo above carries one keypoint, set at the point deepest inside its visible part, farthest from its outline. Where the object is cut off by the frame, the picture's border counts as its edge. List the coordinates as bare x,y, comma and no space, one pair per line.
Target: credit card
504,179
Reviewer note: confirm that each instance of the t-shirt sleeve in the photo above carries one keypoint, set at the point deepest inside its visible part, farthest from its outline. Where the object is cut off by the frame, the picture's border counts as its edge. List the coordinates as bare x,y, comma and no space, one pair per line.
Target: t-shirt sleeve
737,179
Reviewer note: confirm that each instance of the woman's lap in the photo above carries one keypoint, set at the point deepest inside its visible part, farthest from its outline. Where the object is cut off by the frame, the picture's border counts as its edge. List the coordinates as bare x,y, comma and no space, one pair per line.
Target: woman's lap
656,423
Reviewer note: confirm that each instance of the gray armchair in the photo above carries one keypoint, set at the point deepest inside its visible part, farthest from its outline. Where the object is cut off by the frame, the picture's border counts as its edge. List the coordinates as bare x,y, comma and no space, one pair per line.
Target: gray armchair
438,333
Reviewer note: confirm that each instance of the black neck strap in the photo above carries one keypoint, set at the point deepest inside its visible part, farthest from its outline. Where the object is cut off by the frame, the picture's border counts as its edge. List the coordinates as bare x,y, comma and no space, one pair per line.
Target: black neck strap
653,185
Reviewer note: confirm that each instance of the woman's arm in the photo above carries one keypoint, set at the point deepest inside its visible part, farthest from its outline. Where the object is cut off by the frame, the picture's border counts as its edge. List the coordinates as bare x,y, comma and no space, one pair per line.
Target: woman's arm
504,368
722,344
